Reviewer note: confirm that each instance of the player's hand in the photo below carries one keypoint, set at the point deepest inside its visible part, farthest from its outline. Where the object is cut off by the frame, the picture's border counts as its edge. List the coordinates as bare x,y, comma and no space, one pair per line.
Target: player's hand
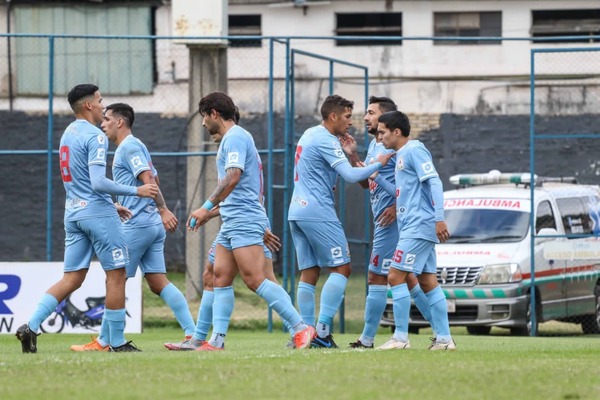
200,217
271,241
348,144
124,212
169,220
441,229
385,158
147,190
387,217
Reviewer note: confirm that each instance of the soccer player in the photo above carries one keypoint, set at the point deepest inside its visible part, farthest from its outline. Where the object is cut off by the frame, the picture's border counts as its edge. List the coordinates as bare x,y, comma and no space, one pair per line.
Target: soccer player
92,224
150,218
239,247
420,213
385,237
317,233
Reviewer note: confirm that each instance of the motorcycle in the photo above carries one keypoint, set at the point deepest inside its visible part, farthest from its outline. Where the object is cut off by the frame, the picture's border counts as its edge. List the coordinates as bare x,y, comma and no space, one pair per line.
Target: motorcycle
67,313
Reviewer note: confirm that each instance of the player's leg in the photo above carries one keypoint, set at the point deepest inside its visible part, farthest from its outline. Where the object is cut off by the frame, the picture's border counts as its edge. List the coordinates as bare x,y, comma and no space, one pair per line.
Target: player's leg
328,241
419,297
153,266
78,254
438,305
270,275
309,274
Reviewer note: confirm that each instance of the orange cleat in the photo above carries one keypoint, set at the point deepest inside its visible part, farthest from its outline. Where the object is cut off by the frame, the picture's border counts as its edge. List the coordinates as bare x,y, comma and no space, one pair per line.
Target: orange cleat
303,338
91,346
209,347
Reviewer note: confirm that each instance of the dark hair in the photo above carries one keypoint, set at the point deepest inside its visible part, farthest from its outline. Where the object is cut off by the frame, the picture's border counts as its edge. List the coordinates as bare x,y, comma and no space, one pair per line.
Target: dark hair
396,120
79,92
335,104
236,115
124,111
220,102
385,103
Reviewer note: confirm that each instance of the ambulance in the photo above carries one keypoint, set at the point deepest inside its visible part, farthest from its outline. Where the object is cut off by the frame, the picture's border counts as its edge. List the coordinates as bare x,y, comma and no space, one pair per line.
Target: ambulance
488,269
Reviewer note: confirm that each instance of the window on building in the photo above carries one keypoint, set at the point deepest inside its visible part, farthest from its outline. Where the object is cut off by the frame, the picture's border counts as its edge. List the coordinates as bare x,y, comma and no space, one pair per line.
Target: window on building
545,23
467,24
368,24
118,66
245,25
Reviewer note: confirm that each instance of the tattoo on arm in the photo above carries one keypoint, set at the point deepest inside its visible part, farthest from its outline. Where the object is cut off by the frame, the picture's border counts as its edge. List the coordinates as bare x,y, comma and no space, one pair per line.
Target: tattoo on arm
226,185
160,200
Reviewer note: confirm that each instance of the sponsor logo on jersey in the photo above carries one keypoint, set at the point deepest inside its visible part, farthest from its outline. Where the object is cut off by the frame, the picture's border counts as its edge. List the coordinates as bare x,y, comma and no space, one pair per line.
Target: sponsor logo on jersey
336,252
385,265
101,139
118,255
233,157
427,167
410,259
100,154
401,210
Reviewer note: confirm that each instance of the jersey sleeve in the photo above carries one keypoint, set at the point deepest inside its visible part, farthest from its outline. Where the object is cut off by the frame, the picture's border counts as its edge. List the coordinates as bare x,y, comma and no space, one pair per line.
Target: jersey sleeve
331,149
423,163
235,152
136,159
97,148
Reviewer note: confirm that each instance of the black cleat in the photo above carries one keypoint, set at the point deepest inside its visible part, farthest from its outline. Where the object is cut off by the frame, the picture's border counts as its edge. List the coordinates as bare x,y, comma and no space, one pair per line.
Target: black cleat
359,345
127,347
27,338
323,343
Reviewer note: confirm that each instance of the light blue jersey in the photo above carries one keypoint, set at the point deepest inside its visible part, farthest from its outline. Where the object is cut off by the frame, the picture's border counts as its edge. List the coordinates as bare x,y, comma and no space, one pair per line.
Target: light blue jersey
317,154
237,150
131,159
81,145
380,199
414,204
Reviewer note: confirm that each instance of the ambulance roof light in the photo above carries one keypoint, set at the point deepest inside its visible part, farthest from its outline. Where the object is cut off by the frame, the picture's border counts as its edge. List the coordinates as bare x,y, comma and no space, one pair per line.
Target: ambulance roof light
492,177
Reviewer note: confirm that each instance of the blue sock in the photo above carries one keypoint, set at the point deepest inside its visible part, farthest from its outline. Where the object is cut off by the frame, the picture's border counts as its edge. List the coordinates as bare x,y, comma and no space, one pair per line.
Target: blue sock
205,315
306,302
374,307
116,326
278,299
401,297
43,310
331,298
439,314
422,303
104,336
177,303
222,309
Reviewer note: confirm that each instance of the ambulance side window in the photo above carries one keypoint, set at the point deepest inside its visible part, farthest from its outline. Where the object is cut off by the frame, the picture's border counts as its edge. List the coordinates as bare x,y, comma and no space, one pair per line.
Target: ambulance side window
574,217
545,217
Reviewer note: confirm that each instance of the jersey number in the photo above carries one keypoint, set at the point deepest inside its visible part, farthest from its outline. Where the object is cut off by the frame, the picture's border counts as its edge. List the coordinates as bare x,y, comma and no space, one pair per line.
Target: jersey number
65,171
296,159
398,256
375,261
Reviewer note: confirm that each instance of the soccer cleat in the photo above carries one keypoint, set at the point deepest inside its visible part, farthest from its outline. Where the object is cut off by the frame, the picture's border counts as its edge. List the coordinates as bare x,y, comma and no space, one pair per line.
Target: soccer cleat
359,345
209,347
436,345
324,343
303,339
188,344
91,346
394,343
127,347
28,339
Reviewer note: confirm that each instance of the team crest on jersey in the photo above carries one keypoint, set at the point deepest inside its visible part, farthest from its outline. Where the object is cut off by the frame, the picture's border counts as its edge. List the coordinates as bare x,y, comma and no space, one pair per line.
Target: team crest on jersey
401,210
410,259
136,161
336,252
101,139
100,154
400,164
233,157
427,167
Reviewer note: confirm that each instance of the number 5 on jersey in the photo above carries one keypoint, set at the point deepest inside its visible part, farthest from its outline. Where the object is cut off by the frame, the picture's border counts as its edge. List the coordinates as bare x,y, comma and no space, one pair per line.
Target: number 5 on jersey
296,159
65,172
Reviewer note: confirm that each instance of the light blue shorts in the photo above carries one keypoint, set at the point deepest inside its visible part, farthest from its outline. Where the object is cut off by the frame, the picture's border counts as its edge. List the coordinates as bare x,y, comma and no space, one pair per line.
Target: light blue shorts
101,235
242,233
211,252
320,243
146,246
384,245
415,255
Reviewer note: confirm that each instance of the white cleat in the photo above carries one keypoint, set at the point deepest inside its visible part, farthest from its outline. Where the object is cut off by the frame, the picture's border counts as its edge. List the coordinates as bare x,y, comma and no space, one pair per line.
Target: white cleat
436,345
394,343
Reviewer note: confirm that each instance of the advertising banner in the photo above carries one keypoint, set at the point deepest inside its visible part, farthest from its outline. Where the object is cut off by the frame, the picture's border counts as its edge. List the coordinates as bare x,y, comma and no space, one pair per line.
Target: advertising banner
22,284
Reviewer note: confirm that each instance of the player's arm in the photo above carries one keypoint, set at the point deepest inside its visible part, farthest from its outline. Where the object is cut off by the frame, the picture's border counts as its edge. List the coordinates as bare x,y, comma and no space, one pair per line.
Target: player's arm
387,186
100,183
350,148
169,220
437,195
223,189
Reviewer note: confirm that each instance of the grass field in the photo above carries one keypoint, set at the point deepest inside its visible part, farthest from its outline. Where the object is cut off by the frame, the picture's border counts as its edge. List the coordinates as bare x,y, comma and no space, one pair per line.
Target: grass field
256,365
